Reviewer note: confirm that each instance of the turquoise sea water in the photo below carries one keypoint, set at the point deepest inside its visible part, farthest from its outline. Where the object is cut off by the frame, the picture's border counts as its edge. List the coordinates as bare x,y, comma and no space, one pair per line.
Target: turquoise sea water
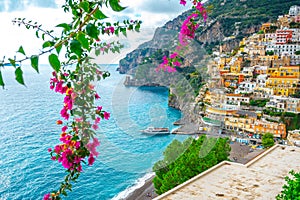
28,129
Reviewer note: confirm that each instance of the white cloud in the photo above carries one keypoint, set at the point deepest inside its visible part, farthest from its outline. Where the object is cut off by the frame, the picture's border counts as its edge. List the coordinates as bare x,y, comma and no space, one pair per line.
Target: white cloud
152,13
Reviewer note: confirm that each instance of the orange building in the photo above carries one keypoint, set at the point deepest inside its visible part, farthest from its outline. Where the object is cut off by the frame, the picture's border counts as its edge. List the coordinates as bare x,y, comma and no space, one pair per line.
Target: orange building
277,129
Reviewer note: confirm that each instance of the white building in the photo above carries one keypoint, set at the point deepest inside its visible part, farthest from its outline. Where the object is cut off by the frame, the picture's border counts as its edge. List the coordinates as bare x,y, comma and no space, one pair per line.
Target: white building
236,99
245,87
262,92
294,10
261,80
296,35
293,105
280,49
277,103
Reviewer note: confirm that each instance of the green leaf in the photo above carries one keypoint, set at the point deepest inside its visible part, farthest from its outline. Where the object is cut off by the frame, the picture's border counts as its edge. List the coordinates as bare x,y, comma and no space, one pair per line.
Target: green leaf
35,63
99,15
85,6
54,62
58,48
114,4
137,28
75,47
1,80
12,62
83,40
19,75
48,44
97,52
21,50
37,34
65,26
92,31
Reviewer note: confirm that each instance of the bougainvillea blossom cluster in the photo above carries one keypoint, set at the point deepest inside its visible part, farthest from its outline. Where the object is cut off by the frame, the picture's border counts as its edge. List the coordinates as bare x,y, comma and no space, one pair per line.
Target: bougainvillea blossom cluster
186,34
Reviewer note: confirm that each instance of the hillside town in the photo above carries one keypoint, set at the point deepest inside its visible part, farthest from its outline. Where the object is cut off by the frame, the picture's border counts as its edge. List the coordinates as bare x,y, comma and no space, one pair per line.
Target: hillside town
255,88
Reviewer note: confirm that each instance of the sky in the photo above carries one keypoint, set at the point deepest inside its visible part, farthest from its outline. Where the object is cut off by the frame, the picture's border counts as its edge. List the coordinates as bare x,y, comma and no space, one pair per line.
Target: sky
153,13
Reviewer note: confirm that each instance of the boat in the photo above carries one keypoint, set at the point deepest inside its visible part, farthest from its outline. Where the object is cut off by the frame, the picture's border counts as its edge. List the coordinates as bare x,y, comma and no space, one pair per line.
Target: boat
156,131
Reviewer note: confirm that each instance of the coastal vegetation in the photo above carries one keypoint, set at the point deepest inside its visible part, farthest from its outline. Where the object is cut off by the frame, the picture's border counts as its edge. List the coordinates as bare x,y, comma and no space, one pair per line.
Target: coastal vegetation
267,140
259,102
291,190
184,160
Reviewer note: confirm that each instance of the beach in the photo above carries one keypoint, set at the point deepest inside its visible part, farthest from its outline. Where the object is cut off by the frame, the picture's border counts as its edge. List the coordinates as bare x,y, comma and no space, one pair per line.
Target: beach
145,192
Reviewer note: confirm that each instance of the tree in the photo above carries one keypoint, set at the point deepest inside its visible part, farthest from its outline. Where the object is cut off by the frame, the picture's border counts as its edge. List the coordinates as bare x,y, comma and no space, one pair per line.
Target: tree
193,157
291,190
268,140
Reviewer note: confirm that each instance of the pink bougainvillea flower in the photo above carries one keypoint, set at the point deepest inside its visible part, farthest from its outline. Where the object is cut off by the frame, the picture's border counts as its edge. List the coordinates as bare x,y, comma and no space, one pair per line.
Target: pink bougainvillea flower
96,142
177,64
79,168
173,55
109,30
49,149
199,6
188,29
47,197
97,120
63,129
68,101
106,115
64,113
57,149
97,96
77,145
91,159
183,2
99,108
95,126
91,146
77,159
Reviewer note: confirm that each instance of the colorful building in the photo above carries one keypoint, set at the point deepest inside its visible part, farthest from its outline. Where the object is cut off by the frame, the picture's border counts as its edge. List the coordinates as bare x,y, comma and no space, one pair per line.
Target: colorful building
277,129
284,80
284,36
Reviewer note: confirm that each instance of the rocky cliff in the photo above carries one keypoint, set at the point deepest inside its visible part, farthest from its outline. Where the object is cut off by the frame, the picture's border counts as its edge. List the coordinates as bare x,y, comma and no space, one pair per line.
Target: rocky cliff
228,23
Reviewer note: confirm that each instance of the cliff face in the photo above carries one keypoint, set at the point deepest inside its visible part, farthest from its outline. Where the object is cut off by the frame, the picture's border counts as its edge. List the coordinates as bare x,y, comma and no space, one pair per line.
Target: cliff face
234,18
228,23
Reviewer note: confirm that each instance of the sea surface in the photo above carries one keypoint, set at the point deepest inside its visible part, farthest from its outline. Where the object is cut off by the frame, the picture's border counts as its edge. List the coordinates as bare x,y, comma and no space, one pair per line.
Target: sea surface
27,129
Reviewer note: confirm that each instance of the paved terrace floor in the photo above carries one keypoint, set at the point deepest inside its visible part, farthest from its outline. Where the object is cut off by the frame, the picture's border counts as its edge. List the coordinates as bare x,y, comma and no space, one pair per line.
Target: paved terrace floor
262,178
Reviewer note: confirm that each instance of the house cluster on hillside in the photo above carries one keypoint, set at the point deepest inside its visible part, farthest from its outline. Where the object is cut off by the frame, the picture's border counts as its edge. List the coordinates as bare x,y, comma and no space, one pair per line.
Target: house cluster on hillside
255,89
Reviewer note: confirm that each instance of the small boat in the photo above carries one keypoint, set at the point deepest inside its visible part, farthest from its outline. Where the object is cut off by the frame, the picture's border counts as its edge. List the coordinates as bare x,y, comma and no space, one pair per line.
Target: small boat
156,131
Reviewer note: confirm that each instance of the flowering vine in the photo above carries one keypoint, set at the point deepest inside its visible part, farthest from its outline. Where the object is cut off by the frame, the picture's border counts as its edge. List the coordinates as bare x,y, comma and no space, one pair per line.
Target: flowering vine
80,117
185,36
75,77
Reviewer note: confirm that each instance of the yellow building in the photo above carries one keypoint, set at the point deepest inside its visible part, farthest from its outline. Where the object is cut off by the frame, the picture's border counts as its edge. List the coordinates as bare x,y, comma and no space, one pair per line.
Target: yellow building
268,60
236,66
284,80
239,124
265,27
223,62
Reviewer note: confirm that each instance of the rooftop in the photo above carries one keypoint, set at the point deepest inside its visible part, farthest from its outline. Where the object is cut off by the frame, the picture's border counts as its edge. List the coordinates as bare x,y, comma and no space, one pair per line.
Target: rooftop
262,178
